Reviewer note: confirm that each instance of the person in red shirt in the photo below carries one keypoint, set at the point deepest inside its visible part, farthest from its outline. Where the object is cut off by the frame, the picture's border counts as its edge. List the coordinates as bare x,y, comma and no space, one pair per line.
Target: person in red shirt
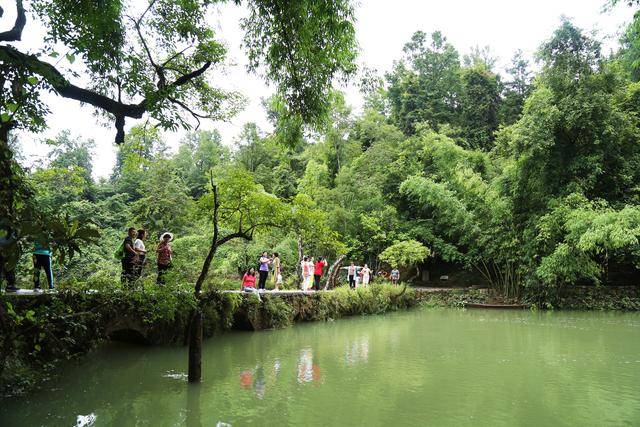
249,282
318,269
249,279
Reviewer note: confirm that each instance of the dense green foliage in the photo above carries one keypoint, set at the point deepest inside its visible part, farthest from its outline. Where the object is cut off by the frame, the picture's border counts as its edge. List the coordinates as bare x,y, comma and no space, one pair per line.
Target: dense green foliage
530,183
154,60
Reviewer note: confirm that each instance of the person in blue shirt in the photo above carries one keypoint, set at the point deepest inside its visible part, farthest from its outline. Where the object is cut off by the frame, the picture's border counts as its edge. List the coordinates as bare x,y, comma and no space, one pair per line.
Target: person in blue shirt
42,259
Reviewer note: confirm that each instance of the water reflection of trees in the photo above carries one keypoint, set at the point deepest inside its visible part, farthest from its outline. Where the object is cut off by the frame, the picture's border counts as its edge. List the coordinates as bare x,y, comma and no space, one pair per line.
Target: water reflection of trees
251,377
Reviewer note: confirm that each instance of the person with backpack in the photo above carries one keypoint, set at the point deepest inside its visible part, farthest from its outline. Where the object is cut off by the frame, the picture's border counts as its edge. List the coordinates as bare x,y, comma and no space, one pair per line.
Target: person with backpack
128,257
42,260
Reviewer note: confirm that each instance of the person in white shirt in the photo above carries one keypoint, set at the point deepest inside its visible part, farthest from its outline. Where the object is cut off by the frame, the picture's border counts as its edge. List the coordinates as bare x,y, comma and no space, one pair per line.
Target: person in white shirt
366,275
138,246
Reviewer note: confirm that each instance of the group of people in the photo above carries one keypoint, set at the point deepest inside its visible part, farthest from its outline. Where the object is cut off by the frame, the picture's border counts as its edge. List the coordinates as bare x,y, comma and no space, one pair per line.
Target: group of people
133,255
312,271
364,275
266,263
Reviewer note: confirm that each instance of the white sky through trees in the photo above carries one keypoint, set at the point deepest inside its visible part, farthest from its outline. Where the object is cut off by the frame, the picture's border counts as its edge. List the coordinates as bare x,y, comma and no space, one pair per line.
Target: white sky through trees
382,27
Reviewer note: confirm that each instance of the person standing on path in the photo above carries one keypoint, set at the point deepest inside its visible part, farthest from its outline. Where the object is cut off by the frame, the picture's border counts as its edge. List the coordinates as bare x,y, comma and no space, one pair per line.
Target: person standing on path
318,269
263,270
351,275
129,257
306,273
165,256
138,245
366,275
395,275
42,260
277,271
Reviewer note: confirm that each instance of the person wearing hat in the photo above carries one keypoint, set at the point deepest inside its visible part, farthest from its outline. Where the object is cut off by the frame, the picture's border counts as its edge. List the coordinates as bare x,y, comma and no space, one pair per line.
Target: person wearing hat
164,256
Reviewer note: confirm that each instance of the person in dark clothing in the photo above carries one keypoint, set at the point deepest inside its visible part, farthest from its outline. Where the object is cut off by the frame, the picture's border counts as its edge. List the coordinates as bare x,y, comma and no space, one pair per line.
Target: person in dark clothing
9,275
129,258
263,270
8,268
351,274
42,260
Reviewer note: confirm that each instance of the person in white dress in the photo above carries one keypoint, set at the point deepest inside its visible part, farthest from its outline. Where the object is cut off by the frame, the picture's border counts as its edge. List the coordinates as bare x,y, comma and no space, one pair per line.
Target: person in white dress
366,275
307,270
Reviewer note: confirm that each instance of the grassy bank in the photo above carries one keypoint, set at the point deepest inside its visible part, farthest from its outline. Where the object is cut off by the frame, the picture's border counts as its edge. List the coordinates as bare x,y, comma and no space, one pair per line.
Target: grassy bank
624,298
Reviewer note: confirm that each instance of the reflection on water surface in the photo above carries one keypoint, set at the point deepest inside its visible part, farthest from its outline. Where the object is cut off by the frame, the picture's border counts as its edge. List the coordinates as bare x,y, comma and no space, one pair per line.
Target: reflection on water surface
437,367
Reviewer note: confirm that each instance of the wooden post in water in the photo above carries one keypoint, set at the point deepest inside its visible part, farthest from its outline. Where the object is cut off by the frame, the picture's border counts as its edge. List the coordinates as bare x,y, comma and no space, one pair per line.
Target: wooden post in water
195,347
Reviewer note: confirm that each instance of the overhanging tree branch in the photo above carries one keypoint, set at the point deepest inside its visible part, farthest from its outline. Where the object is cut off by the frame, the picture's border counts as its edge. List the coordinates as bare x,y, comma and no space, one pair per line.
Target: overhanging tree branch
66,89
15,33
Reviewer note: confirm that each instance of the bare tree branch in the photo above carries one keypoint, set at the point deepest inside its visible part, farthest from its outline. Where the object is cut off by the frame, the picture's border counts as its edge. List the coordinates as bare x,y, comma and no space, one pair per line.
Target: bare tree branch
162,80
172,57
151,4
195,115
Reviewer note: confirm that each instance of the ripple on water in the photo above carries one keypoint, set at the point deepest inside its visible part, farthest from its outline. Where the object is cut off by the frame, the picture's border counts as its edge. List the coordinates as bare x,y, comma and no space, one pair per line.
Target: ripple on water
181,376
86,420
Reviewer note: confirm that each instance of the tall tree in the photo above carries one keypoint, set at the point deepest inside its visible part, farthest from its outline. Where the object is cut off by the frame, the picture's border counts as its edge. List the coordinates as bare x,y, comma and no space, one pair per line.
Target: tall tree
424,86
479,103
516,89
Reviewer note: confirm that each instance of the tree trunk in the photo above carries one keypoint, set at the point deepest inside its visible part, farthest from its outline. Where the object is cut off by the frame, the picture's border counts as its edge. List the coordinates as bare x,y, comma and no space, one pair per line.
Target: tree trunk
300,255
415,276
195,347
9,183
333,272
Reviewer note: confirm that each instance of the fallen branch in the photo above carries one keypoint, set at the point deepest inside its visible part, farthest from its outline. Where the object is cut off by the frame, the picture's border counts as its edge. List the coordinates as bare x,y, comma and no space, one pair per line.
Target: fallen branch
333,270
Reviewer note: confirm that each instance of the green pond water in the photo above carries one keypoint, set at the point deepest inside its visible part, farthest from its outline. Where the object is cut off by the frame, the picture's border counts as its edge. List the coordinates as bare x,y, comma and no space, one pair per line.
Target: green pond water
423,367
